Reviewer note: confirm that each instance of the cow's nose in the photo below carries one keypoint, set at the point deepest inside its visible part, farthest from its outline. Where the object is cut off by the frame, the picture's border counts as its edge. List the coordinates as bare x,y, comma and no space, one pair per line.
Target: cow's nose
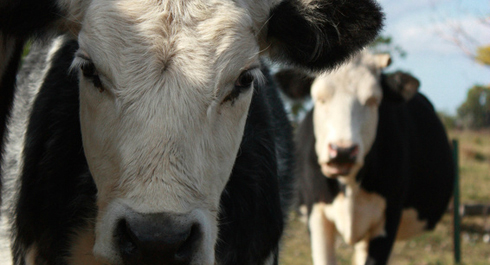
343,155
157,239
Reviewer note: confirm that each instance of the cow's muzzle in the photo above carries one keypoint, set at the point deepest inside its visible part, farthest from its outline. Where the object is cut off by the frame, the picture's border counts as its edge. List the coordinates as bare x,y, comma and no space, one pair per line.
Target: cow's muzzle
157,238
342,155
341,160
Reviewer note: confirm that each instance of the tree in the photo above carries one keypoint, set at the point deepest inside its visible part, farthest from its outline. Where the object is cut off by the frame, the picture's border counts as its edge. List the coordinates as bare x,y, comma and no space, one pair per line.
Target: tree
475,111
468,41
384,44
447,120
483,55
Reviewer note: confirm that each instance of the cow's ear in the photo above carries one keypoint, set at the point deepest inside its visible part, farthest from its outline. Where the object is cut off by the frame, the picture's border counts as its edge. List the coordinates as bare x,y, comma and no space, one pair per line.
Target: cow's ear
320,34
294,83
382,60
402,83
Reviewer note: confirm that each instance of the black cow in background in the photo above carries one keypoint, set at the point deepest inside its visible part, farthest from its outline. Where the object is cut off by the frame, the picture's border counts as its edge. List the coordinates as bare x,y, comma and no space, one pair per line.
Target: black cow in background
373,159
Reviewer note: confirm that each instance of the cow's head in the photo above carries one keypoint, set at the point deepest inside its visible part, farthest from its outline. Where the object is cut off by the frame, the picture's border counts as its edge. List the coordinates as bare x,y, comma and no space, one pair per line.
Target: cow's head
346,103
165,88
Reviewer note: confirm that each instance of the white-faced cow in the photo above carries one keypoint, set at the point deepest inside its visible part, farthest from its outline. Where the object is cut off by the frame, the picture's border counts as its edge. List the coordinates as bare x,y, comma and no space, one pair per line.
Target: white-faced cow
373,160
155,137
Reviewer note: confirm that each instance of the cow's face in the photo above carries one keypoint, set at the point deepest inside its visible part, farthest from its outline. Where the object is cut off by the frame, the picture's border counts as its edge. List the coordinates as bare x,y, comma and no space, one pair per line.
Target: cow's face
346,113
164,99
165,88
346,106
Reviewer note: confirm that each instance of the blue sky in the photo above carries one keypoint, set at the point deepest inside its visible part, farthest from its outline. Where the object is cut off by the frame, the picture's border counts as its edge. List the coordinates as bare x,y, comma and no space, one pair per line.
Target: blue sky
423,28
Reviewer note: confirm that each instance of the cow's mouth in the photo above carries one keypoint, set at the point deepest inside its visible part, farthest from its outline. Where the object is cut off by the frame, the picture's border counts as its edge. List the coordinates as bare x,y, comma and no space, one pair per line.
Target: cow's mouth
334,170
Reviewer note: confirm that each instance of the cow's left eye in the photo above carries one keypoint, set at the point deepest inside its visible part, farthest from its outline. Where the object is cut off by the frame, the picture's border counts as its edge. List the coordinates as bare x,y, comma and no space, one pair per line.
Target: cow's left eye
245,80
90,72
243,83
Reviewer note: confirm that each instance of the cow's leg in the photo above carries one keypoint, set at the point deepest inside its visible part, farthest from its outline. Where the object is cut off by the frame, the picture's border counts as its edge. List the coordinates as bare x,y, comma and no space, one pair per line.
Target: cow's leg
361,252
322,235
379,248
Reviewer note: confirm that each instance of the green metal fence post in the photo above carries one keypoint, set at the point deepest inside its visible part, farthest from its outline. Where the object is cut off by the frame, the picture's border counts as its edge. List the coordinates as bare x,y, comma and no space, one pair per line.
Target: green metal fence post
456,216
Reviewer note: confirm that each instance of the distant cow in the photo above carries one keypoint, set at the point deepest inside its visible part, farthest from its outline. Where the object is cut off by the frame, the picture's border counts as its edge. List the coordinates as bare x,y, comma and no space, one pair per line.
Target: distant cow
157,135
374,162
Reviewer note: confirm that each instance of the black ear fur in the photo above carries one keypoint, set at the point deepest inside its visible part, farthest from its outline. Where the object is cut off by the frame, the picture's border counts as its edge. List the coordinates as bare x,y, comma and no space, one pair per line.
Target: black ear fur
25,18
294,83
399,86
321,34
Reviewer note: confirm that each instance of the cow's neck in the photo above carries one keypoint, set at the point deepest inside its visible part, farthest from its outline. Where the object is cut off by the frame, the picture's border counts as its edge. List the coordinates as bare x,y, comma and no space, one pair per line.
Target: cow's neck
348,184
357,214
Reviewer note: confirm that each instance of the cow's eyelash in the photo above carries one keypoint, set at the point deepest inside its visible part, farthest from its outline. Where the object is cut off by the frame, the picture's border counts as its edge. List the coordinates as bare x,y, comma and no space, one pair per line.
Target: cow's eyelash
254,74
258,76
79,61
84,65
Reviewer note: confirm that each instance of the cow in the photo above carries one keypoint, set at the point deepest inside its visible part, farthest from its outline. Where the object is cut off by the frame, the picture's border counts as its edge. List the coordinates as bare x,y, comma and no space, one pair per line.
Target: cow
156,136
373,160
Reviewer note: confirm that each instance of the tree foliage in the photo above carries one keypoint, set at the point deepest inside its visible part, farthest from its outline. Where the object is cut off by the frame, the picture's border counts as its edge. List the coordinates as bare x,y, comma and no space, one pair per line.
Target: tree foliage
474,113
385,44
447,120
483,55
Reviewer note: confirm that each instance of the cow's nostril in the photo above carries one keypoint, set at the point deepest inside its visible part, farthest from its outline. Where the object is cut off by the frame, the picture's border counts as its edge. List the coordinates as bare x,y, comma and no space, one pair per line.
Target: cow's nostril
184,252
157,239
343,155
353,151
126,239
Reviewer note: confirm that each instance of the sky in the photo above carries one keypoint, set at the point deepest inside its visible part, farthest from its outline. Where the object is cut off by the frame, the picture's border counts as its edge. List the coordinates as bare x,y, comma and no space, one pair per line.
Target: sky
423,28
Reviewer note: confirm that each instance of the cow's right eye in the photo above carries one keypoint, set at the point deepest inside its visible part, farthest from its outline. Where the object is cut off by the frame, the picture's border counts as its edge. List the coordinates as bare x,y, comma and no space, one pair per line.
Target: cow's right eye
372,101
90,72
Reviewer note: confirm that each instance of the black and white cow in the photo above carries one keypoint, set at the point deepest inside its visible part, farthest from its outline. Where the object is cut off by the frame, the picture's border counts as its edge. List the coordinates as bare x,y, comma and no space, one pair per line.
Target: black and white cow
155,137
373,160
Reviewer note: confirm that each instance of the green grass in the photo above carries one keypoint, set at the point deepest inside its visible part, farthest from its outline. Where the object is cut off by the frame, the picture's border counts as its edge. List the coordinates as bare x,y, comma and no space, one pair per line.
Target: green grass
432,248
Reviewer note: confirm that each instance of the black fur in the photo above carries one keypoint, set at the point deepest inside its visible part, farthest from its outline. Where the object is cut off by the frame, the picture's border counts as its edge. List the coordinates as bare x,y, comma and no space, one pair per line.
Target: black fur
57,194
294,83
19,20
26,18
410,165
323,34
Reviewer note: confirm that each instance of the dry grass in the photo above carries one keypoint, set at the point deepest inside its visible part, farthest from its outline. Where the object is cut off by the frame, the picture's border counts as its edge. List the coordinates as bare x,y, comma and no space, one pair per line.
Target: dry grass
431,248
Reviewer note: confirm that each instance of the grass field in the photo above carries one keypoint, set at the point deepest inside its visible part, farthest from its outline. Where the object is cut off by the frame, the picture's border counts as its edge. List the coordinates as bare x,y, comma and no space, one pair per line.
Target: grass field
434,247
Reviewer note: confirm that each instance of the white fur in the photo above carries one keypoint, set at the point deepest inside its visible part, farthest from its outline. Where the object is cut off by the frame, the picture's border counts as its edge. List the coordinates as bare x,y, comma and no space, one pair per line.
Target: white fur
361,249
322,233
346,109
161,137
357,214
